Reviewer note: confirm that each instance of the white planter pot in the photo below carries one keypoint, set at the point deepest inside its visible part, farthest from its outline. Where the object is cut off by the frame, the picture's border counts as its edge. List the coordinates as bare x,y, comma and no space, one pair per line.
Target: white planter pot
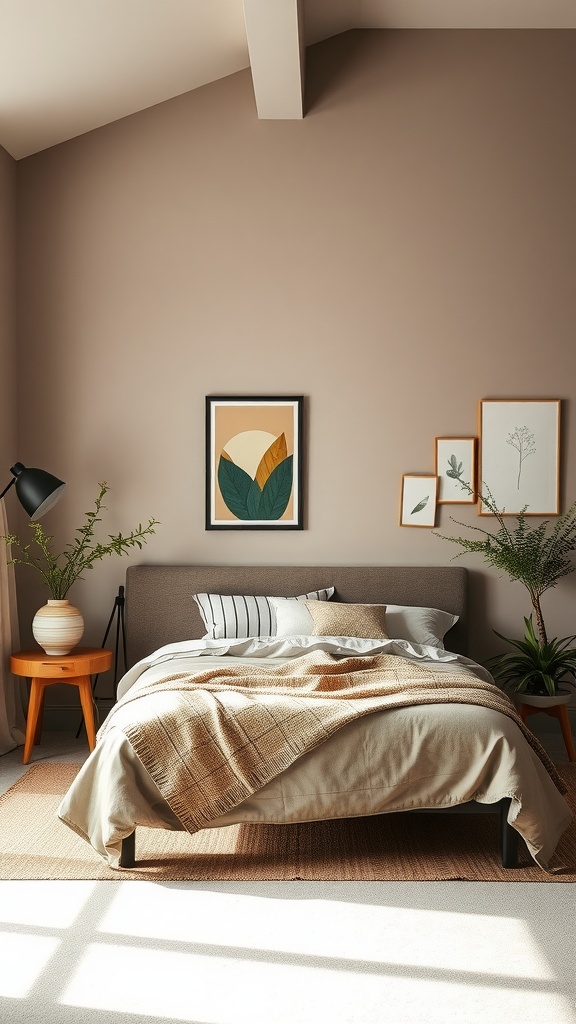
58,626
547,701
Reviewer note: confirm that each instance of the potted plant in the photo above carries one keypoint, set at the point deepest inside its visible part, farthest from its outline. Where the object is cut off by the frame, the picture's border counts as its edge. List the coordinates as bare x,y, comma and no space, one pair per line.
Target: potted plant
58,626
537,557
535,669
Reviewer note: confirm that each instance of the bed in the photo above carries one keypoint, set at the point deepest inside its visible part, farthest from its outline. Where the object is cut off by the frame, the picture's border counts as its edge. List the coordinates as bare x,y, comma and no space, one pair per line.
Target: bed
417,725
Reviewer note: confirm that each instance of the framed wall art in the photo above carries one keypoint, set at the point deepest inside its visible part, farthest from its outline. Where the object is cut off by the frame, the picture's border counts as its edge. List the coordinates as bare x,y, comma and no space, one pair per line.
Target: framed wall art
455,466
520,455
418,500
254,463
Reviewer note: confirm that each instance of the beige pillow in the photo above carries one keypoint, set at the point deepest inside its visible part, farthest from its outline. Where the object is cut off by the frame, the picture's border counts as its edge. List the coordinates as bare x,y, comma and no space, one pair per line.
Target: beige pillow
367,621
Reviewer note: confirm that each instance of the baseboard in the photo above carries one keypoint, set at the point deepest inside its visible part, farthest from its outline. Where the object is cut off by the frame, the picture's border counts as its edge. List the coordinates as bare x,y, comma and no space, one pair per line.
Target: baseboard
67,717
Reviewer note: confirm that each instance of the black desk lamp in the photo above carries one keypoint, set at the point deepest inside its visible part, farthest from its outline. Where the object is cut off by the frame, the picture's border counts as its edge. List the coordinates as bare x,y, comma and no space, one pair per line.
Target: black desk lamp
37,490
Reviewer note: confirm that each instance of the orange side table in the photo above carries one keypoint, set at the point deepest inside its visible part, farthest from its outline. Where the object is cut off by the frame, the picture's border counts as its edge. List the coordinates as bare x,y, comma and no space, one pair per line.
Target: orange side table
72,669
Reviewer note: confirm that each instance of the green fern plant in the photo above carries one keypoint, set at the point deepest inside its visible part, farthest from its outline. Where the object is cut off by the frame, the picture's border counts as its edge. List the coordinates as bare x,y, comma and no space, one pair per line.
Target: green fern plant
538,557
60,571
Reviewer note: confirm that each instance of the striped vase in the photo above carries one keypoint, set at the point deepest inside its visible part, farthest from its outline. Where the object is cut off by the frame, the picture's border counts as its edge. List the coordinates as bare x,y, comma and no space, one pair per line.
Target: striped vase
57,627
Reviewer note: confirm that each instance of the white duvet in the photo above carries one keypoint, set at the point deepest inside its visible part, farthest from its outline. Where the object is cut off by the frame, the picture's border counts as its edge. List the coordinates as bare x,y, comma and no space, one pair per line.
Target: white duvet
422,756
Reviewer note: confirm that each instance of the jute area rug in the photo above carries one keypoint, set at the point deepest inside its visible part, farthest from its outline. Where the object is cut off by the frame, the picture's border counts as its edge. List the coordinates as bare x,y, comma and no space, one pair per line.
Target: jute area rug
34,844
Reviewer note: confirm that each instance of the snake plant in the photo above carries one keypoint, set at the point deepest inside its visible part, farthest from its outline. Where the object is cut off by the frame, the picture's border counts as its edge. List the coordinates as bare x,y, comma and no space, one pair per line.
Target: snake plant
534,666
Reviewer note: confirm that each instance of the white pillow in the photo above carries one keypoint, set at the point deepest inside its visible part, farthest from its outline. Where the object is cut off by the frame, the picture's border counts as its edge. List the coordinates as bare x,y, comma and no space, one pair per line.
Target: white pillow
419,625
292,617
234,616
403,622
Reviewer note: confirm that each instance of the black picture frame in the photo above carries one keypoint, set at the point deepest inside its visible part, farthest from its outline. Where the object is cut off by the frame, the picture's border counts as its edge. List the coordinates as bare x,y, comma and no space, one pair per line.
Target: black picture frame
254,462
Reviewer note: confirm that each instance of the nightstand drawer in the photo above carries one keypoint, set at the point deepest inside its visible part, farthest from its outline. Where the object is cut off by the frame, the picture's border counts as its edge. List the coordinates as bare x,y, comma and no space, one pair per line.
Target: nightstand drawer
52,668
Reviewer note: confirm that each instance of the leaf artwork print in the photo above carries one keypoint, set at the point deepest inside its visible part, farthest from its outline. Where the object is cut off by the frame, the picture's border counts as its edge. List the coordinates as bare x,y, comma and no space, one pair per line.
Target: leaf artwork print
455,468
264,497
523,441
421,504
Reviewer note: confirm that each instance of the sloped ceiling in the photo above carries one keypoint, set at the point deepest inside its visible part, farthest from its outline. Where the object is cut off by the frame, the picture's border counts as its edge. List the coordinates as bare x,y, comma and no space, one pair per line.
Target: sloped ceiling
68,66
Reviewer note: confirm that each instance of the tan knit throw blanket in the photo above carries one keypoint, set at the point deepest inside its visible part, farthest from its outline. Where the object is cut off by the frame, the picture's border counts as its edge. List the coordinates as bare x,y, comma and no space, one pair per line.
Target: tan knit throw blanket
210,739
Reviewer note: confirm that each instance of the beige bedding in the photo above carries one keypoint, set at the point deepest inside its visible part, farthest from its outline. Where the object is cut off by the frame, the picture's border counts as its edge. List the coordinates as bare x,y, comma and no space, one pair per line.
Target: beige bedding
427,755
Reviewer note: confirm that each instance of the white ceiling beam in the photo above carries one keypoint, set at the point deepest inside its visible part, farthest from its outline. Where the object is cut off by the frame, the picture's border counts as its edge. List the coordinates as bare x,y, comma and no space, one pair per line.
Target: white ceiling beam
275,32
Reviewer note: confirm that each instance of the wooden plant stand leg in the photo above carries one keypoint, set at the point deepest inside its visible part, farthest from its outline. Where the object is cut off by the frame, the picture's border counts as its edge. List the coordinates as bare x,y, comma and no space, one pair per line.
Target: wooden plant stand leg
561,713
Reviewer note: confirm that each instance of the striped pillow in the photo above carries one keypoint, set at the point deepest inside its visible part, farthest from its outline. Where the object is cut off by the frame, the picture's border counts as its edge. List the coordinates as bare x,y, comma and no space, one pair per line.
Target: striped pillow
236,616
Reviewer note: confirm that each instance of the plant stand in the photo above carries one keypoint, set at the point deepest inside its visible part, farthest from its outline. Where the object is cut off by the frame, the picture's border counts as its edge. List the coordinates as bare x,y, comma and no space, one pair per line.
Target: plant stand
558,711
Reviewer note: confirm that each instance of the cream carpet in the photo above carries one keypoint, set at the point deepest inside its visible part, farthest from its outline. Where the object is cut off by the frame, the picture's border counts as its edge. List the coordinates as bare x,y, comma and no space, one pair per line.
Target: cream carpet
34,844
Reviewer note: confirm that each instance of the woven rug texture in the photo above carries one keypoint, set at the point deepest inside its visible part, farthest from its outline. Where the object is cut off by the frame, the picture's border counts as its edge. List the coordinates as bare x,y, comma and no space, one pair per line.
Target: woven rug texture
34,844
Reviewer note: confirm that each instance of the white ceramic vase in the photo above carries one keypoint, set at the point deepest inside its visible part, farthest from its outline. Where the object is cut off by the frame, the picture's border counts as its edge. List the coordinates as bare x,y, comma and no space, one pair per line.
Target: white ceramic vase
57,627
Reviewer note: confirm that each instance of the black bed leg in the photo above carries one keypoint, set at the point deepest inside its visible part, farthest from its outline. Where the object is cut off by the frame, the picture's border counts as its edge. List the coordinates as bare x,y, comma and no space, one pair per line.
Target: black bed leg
508,838
128,852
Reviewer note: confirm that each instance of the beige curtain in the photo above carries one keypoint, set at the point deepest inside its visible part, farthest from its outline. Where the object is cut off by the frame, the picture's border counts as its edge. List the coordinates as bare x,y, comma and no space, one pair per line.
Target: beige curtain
12,688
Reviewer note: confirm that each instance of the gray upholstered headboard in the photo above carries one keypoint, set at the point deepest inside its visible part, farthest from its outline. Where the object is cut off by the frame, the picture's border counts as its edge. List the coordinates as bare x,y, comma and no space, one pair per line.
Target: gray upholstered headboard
160,609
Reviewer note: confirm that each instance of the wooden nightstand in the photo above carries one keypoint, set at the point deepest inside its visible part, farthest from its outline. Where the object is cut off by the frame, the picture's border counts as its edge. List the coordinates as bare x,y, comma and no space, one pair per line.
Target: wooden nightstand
559,711
72,669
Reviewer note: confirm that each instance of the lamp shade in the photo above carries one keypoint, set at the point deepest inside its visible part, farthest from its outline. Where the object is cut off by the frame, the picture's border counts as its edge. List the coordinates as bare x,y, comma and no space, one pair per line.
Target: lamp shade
37,490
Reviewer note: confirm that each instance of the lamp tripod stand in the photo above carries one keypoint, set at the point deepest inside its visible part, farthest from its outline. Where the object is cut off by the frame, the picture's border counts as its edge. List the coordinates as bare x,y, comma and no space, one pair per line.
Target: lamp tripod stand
118,614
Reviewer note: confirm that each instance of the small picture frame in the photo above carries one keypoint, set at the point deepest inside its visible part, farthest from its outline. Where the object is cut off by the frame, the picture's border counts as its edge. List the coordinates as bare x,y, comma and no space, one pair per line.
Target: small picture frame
455,467
418,498
520,455
254,454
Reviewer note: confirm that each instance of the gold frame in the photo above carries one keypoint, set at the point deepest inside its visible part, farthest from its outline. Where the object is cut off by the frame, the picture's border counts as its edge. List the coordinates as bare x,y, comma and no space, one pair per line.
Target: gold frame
419,476
532,433
471,498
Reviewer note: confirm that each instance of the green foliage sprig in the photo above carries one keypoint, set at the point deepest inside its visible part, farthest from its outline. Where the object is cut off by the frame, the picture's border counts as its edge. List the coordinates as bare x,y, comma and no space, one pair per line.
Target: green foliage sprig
60,571
536,556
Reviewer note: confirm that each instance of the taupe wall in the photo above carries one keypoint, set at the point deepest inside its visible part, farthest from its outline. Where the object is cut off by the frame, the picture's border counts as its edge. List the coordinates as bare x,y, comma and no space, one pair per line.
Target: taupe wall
7,315
405,250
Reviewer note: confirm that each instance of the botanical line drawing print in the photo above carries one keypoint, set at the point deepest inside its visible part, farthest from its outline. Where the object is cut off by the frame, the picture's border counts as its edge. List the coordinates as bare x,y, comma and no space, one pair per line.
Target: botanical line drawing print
456,469
519,456
523,441
418,499
421,504
455,463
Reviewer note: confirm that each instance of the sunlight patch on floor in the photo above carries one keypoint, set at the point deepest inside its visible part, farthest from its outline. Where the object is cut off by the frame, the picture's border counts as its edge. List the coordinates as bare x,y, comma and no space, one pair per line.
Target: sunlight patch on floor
185,986
23,958
329,928
49,904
